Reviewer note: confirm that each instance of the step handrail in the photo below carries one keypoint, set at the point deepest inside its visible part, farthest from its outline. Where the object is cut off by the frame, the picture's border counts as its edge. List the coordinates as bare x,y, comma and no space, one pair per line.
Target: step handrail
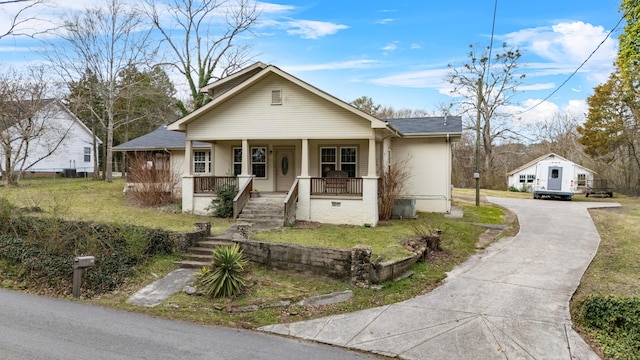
241,199
290,203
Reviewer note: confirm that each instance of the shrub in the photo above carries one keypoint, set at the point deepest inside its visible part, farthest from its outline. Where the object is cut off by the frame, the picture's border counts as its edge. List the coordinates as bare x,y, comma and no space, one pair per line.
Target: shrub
40,252
225,278
151,178
222,205
392,183
615,323
428,234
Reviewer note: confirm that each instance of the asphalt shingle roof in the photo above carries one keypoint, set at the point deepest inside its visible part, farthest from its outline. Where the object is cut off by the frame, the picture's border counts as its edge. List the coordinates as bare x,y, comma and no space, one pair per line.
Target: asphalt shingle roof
427,125
159,139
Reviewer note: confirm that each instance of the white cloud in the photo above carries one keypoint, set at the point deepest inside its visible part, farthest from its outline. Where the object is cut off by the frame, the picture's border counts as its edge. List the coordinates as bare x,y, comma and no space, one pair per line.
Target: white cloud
416,46
390,47
539,86
343,65
419,79
265,7
310,29
577,107
566,45
385,21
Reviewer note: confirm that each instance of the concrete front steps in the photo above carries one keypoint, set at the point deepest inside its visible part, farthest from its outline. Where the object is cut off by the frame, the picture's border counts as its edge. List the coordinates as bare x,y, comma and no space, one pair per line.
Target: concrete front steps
201,255
264,212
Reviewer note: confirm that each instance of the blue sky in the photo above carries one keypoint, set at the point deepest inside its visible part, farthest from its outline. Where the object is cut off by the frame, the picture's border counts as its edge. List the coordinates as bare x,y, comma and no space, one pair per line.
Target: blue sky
397,52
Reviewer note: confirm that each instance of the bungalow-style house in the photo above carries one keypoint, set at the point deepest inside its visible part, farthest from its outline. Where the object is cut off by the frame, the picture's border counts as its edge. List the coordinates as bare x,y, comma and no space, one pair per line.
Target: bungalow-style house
524,176
273,132
163,151
52,140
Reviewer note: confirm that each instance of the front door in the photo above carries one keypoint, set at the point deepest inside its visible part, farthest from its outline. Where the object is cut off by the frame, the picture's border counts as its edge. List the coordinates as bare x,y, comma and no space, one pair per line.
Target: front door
285,168
555,178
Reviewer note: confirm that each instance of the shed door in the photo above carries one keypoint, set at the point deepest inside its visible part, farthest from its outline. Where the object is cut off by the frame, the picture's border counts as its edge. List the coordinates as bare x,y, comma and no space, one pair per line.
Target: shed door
285,168
555,178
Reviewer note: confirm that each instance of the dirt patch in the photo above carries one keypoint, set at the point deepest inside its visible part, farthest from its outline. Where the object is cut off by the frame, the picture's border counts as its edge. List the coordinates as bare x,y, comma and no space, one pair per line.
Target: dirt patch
302,224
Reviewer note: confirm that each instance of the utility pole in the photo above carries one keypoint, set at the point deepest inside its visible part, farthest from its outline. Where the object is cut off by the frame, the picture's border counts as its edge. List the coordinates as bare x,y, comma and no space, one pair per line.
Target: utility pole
476,175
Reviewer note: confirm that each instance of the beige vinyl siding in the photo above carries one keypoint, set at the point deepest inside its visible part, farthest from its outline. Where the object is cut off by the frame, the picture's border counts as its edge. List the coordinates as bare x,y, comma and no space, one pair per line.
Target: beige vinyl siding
362,154
427,161
250,115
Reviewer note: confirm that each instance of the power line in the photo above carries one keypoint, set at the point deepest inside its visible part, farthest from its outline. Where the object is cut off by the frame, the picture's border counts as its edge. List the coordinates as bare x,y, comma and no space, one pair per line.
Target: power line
12,1
577,69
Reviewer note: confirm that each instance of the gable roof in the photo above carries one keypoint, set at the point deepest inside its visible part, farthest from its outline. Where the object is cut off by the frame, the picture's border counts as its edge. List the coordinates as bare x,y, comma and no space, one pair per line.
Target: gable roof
265,70
543,157
428,126
159,139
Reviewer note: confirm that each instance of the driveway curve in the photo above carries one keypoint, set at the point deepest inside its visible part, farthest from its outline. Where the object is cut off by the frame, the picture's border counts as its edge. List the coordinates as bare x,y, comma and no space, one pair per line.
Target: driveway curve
510,301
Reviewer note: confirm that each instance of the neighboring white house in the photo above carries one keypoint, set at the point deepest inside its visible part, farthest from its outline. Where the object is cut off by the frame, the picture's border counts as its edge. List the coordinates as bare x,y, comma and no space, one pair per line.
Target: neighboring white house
63,144
274,132
525,175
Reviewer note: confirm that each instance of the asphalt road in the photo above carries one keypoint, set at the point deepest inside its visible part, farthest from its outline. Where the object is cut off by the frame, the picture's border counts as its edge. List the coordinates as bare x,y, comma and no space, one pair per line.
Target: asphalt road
33,327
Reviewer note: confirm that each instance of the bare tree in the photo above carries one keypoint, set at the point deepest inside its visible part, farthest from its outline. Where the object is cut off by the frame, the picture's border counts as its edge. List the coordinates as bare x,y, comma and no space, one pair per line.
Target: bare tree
21,14
202,37
104,41
485,85
27,133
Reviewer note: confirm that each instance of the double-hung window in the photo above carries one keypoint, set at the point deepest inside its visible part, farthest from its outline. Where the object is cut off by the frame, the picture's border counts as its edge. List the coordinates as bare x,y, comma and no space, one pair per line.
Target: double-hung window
237,161
258,161
87,154
339,158
523,178
202,162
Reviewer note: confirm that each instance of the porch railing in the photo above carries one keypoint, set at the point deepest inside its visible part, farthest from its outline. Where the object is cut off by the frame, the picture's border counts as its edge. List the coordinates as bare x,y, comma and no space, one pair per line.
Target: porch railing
242,198
209,184
336,186
290,203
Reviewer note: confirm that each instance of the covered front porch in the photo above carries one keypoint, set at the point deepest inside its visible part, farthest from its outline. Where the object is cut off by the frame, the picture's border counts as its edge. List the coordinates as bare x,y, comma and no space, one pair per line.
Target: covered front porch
328,181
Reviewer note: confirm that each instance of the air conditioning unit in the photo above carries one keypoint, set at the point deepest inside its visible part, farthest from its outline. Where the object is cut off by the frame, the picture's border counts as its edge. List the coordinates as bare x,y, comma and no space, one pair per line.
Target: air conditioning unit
404,208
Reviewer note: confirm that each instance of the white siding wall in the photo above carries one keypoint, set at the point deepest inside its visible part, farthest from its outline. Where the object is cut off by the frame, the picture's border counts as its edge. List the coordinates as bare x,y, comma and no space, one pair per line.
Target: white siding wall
70,153
250,115
428,162
514,180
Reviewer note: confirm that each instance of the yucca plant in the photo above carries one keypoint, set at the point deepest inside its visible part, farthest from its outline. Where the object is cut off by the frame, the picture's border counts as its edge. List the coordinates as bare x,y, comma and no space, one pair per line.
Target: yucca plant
226,275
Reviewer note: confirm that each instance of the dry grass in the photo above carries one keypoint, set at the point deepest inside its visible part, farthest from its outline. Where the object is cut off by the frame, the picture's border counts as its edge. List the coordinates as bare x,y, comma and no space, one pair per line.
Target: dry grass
85,199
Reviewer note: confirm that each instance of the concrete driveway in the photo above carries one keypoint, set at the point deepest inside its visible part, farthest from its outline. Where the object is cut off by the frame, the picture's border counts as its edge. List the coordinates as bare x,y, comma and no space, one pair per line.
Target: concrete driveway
510,301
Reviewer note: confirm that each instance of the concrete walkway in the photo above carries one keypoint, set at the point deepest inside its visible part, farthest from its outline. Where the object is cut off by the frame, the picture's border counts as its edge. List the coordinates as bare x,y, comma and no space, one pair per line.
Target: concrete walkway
510,301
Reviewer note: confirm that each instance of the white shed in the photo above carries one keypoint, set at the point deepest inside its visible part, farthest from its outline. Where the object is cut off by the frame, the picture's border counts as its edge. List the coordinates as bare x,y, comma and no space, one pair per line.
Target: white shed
525,175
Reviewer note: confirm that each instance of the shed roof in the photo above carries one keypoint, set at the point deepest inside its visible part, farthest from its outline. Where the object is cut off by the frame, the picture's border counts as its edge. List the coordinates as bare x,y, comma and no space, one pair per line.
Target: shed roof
159,139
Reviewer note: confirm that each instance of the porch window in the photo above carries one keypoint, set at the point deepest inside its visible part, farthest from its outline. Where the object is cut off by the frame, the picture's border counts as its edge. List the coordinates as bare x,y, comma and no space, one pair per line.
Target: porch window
259,162
237,161
87,154
201,162
347,160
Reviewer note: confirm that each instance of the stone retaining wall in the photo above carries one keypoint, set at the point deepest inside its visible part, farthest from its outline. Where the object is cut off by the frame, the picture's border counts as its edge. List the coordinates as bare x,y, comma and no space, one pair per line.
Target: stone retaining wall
333,263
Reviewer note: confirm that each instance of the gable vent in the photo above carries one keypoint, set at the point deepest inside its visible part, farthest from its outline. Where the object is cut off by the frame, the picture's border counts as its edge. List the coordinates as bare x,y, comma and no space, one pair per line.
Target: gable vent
276,97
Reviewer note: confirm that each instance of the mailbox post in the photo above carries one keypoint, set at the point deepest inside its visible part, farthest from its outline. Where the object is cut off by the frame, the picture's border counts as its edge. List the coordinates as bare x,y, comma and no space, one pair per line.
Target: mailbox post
79,264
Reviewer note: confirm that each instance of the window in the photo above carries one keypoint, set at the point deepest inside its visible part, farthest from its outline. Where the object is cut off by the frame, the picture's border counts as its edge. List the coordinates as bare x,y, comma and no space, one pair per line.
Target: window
523,178
555,173
347,160
276,97
237,161
87,154
582,179
259,162
530,178
202,162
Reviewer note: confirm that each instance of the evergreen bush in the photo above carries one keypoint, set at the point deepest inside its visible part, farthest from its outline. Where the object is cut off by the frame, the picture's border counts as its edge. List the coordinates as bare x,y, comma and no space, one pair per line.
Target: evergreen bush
225,278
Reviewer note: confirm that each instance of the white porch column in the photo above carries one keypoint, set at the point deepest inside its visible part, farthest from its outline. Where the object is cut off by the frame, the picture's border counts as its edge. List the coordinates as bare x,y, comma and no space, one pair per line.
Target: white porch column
305,158
386,153
245,157
371,171
188,158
